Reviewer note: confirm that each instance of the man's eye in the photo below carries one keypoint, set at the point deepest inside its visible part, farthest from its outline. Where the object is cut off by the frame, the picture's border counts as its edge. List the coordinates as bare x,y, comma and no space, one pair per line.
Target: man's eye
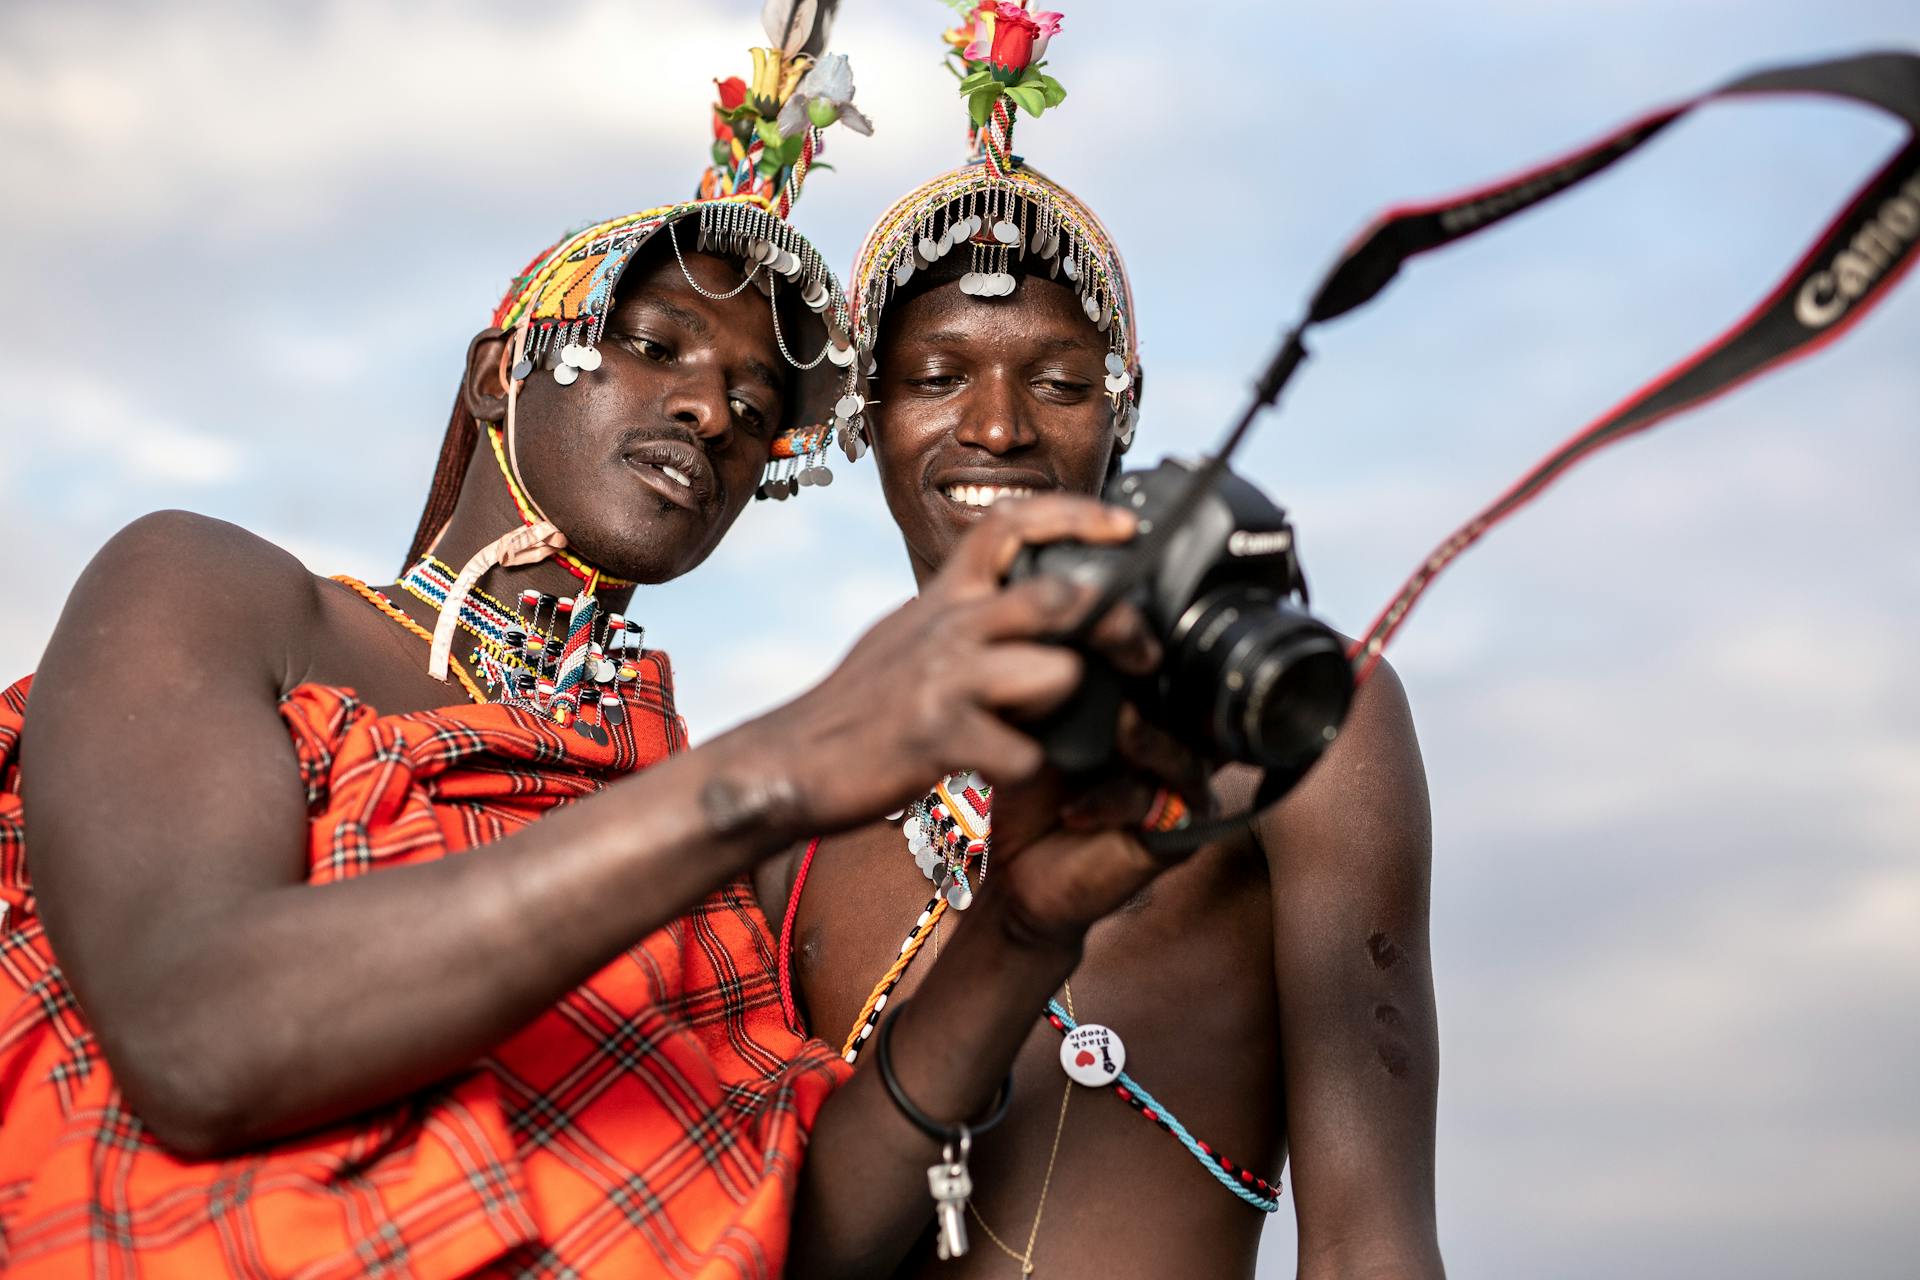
650,349
935,381
748,412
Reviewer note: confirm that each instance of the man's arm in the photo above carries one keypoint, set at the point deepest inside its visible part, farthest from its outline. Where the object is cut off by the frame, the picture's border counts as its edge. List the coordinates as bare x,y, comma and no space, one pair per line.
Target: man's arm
236,1003
1350,857
168,846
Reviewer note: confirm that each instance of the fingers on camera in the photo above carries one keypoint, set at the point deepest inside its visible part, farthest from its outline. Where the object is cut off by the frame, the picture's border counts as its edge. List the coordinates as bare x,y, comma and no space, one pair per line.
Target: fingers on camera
1039,607
1125,639
1027,680
996,749
987,552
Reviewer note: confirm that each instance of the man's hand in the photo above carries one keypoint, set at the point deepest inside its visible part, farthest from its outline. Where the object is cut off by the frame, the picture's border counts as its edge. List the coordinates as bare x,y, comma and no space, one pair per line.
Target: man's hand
1066,856
943,683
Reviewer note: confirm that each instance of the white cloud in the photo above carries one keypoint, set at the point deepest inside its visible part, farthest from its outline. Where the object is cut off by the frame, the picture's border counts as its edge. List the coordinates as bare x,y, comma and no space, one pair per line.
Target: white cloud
94,424
277,126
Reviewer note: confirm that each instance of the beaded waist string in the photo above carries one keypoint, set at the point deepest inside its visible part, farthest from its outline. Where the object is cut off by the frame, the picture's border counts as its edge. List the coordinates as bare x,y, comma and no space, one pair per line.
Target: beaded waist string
1239,1179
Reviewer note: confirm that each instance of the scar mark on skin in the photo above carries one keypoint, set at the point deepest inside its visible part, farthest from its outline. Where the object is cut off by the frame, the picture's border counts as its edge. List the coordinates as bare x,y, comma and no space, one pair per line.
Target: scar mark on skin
1385,954
1394,1057
1386,1015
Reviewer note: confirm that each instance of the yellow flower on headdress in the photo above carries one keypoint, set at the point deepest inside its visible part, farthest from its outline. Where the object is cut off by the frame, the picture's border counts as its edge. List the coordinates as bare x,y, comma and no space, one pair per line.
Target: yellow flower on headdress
775,76
979,25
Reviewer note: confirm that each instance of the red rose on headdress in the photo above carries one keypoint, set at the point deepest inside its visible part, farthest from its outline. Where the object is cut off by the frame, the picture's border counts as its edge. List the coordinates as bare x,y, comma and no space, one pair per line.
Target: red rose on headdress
1018,36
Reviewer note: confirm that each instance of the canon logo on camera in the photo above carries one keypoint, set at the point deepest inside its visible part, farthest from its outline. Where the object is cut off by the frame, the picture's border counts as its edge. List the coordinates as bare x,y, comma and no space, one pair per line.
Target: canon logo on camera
1245,542
1827,294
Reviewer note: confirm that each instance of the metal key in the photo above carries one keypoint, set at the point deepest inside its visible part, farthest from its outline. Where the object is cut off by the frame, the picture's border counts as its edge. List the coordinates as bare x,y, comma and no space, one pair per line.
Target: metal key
951,1185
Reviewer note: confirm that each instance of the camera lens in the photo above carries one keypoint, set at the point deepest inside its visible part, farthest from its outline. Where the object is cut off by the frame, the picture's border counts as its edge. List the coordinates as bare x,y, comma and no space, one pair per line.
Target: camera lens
1299,697
1262,679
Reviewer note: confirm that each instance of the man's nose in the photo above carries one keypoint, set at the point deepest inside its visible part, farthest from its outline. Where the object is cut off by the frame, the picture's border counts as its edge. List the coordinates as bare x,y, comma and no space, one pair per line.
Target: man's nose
698,401
995,418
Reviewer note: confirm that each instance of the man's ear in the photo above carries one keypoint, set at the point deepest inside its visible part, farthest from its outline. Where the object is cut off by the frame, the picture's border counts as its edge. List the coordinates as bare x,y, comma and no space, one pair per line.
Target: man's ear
484,391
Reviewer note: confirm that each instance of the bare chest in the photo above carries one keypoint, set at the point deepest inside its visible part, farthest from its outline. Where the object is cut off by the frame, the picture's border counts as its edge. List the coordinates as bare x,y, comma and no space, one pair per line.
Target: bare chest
1183,976
356,646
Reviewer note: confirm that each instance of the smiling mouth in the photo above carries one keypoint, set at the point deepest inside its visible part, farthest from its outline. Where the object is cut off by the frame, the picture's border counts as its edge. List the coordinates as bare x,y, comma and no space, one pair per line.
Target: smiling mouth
982,496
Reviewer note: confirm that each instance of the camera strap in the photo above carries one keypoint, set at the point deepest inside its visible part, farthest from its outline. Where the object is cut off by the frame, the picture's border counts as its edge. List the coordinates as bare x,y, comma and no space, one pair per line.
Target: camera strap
1847,270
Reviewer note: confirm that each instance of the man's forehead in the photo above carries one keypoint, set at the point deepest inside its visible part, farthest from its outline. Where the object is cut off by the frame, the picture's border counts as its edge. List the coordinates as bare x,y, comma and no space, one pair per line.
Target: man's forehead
662,290
1039,312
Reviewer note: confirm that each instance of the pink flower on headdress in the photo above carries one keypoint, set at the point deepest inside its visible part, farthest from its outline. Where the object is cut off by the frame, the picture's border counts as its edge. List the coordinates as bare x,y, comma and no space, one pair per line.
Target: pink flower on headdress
1010,38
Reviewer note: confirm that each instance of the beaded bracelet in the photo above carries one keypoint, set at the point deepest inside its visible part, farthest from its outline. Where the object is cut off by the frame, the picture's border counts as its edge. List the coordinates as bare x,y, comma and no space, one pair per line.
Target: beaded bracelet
943,1133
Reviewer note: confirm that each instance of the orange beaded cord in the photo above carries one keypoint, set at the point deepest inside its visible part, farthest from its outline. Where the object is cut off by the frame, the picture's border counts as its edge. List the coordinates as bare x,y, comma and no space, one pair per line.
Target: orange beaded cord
387,607
863,1025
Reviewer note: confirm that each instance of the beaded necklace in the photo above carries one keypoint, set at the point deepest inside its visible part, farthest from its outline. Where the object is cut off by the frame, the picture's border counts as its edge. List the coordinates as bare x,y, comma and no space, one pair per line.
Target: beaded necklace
951,827
481,615
946,832
573,670
1239,1179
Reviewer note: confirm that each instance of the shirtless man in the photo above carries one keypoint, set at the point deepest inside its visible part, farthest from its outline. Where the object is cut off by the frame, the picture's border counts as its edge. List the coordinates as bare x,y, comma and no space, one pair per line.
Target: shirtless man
1274,992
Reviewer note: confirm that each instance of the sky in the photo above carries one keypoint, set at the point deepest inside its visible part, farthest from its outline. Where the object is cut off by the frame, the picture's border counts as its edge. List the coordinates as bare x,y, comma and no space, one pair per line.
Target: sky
1668,718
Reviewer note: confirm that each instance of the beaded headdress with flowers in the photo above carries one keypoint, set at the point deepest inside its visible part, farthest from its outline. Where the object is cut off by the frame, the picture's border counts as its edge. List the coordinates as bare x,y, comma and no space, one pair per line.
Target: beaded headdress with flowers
1005,215
767,136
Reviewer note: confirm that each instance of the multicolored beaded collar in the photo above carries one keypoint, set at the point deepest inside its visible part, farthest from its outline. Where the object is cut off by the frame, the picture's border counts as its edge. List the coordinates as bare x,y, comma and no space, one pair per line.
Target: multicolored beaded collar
559,656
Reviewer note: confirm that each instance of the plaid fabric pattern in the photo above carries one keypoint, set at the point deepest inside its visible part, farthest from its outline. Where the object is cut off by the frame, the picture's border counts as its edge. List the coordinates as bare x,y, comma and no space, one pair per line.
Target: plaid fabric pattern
650,1124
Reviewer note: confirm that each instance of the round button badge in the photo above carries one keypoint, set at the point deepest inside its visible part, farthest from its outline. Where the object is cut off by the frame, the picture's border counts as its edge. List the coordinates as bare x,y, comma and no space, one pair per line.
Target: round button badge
1092,1055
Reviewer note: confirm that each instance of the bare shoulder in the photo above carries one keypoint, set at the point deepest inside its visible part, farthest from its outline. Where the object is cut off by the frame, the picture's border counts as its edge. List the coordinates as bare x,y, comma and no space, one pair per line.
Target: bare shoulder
1369,790
174,549
193,590
1378,745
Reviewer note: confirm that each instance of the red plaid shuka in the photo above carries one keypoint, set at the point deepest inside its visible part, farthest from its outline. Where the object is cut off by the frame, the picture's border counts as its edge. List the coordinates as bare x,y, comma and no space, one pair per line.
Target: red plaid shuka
650,1124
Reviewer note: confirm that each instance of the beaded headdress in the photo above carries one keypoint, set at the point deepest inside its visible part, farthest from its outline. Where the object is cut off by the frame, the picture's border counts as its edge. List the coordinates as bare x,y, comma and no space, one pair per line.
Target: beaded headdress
1000,211
768,133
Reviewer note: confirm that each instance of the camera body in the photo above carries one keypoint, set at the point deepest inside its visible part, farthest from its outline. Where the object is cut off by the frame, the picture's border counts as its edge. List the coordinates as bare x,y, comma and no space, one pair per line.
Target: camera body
1248,674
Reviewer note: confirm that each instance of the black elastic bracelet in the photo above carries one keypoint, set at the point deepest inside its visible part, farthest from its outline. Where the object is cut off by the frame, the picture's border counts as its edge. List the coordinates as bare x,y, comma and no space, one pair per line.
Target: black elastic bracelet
943,1133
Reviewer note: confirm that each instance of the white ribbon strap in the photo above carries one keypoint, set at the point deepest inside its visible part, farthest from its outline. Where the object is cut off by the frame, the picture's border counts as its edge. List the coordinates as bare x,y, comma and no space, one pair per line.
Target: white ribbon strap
527,544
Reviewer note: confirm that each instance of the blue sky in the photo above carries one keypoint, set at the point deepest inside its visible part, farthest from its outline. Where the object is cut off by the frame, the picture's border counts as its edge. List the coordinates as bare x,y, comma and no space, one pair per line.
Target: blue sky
1668,714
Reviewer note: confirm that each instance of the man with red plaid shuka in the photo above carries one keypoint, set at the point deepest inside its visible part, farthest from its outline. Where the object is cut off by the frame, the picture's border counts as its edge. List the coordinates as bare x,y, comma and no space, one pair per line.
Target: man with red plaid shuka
317,975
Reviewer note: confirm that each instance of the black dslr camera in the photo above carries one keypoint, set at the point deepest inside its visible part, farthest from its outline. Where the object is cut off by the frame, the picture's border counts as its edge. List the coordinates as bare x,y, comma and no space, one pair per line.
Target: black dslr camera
1248,674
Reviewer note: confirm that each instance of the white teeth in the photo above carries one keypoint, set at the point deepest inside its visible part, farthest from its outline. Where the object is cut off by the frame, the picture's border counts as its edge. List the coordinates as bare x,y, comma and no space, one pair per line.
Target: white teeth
983,495
675,476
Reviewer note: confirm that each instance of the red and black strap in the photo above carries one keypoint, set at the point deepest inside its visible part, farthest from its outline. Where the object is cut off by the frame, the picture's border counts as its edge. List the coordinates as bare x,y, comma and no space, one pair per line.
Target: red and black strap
1843,275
